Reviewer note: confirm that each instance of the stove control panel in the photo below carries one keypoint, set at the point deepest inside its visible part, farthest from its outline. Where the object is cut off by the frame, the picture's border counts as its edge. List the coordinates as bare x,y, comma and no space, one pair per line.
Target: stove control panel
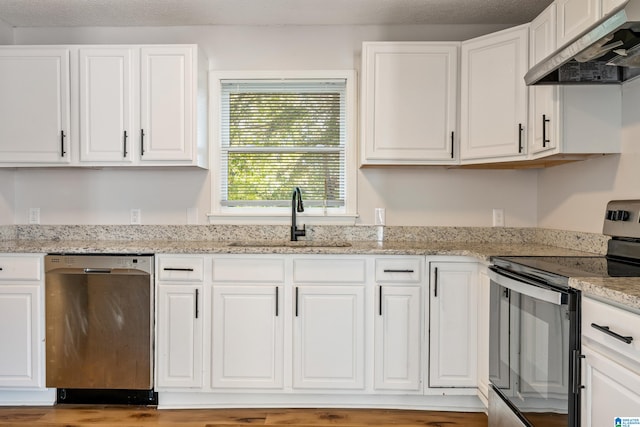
618,215
622,219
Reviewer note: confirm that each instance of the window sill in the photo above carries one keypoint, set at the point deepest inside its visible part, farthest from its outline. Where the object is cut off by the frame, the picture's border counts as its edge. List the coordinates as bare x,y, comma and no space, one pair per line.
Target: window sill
262,219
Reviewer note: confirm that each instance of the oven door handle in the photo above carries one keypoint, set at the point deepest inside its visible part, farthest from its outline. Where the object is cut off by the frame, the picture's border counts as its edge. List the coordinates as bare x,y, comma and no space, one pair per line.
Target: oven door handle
524,287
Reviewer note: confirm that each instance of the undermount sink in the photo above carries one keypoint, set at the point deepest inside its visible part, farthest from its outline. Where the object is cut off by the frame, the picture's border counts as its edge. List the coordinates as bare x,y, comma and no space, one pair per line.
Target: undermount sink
290,244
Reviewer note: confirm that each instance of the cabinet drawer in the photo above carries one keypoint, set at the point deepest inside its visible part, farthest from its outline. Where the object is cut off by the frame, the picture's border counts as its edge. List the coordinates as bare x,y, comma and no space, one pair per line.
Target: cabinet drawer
402,269
248,269
20,268
181,268
619,321
329,270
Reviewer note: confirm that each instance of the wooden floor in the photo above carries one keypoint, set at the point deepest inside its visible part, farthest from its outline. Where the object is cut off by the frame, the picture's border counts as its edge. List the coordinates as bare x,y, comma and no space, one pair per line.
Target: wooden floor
110,416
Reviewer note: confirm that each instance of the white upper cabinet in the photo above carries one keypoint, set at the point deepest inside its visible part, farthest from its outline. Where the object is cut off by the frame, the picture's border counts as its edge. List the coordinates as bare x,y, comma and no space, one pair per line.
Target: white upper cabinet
574,17
609,5
543,100
569,120
409,99
106,104
103,105
34,106
167,104
494,96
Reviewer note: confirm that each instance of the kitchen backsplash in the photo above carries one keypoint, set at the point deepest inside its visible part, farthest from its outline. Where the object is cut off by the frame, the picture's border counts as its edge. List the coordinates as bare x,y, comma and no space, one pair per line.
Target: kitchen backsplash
588,242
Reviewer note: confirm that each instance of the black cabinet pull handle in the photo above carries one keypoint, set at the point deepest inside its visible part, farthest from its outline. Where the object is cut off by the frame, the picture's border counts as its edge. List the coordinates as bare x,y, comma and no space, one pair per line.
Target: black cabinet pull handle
398,271
197,294
296,301
452,140
62,152
607,331
177,269
142,142
435,282
124,138
380,300
277,298
520,130
544,130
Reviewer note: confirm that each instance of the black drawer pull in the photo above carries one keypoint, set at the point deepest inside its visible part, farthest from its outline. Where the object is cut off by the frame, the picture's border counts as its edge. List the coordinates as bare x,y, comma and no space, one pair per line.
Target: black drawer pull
398,271
607,331
177,269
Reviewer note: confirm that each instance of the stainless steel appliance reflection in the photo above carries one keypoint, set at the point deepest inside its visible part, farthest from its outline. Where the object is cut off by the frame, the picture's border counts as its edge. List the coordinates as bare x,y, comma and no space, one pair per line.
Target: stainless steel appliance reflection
99,324
534,336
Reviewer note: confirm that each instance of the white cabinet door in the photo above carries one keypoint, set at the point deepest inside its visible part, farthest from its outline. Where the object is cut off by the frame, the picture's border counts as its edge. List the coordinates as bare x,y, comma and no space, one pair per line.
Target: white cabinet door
484,301
106,104
179,346
543,100
574,17
20,335
453,324
409,102
34,105
328,337
247,350
609,5
397,338
494,96
168,88
611,390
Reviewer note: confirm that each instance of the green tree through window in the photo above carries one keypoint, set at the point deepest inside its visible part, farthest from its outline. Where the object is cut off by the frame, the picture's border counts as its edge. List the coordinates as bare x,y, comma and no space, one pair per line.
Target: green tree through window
278,135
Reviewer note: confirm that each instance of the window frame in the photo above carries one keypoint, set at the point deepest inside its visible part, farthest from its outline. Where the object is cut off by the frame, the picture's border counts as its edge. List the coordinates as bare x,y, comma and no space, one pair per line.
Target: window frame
273,215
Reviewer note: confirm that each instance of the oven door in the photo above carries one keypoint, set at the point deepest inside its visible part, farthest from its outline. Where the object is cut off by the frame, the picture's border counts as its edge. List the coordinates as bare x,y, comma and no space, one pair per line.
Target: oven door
533,353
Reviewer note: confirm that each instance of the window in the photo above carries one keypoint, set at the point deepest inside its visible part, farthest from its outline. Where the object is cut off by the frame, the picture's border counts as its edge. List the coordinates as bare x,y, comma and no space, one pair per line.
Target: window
272,135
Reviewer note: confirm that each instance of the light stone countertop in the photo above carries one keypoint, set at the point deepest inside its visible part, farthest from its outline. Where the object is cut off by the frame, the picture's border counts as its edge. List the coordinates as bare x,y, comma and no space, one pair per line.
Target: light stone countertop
481,251
621,291
478,243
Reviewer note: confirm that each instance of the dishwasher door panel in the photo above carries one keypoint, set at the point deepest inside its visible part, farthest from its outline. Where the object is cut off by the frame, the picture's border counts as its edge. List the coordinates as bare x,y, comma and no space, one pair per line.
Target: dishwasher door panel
98,330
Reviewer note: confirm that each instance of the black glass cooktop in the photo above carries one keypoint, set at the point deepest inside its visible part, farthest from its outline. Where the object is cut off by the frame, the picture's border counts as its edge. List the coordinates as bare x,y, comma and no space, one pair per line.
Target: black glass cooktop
558,270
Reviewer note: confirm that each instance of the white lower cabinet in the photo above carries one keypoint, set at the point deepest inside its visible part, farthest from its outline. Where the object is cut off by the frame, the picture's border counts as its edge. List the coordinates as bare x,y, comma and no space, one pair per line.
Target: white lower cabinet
247,323
179,319
269,329
22,362
328,323
398,324
453,324
611,363
328,335
611,390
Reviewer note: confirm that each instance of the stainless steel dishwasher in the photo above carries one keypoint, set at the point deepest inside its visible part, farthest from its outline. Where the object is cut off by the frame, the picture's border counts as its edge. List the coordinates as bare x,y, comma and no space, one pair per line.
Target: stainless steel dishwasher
99,328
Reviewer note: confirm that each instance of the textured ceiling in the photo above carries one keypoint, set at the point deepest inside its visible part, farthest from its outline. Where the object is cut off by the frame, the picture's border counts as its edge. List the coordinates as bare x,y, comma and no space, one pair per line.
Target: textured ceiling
72,13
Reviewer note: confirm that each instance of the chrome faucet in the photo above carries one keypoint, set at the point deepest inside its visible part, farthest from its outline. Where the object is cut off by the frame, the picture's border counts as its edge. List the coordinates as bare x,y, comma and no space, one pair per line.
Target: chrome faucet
296,206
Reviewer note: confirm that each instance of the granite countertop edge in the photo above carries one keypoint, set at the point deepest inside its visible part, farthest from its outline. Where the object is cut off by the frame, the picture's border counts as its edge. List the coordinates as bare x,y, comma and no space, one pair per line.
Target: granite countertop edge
624,292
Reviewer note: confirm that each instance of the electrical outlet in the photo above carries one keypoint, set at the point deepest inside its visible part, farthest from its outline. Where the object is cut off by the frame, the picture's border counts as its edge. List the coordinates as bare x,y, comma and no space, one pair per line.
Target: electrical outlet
34,215
498,217
380,216
136,216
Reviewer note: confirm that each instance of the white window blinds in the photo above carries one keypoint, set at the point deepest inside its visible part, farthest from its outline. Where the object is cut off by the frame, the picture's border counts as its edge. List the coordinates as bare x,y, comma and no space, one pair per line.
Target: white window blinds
279,134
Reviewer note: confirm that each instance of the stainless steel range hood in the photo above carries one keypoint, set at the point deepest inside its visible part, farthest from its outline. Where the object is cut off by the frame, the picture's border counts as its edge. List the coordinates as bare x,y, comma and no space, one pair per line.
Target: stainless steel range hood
607,53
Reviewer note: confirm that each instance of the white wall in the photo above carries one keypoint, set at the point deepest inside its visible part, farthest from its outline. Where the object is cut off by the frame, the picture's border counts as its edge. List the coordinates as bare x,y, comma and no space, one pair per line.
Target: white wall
412,196
574,196
6,33
7,196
